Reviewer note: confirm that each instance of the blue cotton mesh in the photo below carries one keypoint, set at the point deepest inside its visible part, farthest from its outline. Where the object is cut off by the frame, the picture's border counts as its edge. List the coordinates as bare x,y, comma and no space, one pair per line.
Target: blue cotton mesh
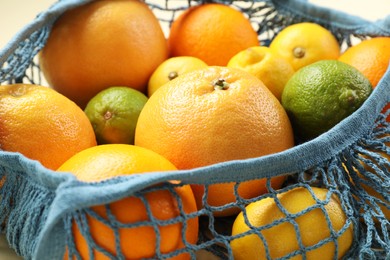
39,208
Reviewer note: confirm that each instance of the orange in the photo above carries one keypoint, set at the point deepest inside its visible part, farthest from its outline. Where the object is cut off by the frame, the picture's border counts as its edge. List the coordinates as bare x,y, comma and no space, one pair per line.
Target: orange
371,57
212,33
42,124
304,43
213,115
265,64
107,161
101,44
282,238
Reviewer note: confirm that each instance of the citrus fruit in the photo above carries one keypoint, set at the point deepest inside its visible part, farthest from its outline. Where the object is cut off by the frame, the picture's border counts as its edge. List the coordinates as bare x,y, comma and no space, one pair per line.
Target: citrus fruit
211,32
114,112
42,124
172,68
282,237
304,43
101,44
321,94
265,64
110,160
371,57
213,115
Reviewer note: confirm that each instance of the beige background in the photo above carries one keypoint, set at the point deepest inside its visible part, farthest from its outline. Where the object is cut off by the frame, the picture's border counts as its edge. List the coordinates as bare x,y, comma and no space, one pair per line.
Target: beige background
17,13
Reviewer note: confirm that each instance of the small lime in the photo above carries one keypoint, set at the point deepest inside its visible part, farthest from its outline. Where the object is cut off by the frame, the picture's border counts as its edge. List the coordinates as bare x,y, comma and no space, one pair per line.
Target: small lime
114,112
320,95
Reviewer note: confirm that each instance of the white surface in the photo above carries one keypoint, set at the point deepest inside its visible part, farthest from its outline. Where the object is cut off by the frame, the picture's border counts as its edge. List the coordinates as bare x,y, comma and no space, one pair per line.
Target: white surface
5,252
17,13
368,9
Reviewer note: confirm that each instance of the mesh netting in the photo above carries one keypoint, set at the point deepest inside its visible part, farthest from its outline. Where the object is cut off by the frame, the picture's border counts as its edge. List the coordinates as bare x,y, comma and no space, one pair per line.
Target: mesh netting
45,215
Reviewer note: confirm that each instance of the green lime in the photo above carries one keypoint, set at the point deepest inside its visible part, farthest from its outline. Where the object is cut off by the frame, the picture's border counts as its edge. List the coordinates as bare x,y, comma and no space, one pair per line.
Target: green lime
320,95
114,112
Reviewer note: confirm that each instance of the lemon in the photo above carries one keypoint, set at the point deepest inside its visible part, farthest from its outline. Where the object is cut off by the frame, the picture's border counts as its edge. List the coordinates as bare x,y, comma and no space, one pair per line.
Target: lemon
305,43
266,65
320,95
172,68
281,236
114,112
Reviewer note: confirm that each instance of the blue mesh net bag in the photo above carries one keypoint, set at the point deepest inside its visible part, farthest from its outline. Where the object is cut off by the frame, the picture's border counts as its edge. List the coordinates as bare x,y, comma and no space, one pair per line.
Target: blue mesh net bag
334,171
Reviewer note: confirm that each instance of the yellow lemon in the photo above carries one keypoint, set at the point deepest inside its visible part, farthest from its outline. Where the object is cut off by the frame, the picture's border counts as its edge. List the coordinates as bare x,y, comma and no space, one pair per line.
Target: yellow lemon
304,43
266,65
282,237
172,68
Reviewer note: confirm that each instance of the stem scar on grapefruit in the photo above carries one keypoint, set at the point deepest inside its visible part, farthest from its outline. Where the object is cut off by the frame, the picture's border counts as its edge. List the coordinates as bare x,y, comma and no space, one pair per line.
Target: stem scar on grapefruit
101,44
213,115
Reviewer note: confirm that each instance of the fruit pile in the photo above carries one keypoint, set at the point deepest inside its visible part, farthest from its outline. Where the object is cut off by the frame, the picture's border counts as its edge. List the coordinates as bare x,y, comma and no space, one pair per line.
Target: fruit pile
123,98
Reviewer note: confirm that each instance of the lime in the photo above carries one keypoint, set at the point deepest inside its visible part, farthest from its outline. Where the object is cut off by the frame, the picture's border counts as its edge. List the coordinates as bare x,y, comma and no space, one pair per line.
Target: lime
320,95
114,112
